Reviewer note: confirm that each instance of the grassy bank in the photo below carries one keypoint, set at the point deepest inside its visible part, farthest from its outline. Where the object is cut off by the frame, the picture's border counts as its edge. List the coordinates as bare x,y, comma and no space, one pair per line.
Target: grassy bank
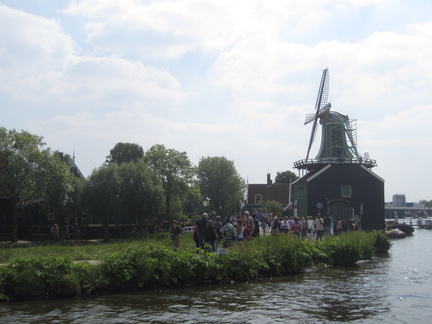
49,271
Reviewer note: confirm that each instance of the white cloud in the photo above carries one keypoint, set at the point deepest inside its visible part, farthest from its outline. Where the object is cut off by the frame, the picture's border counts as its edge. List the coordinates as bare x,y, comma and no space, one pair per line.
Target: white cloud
219,78
39,64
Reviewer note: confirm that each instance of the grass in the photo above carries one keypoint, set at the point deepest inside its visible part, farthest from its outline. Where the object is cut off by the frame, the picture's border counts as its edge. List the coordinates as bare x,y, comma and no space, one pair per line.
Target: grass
97,250
86,250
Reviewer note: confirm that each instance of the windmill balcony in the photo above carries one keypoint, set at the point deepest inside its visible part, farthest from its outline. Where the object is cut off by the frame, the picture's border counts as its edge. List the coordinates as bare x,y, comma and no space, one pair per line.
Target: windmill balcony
310,164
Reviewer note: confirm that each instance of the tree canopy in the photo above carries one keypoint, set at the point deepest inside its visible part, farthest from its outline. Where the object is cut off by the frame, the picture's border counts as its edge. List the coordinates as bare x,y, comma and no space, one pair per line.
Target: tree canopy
271,206
125,152
175,172
285,177
24,168
220,181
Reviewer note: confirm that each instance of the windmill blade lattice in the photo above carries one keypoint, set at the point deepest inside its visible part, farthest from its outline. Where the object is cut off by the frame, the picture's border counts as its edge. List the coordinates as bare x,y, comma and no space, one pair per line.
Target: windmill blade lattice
321,107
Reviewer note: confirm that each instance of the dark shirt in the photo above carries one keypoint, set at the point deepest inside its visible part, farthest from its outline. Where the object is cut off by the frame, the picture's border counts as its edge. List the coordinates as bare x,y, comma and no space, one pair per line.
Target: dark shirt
210,234
175,231
202,224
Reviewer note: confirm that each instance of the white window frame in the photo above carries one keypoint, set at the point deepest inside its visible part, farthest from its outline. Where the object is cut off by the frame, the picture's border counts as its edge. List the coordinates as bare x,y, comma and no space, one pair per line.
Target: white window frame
346,191
258,199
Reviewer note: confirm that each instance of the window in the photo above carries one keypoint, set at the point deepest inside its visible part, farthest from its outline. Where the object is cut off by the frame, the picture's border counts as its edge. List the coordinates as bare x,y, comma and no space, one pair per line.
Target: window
258,199
346,191
51,214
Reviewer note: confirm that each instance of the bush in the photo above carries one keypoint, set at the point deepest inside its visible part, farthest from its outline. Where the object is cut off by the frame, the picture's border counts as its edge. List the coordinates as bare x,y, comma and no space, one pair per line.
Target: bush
136,267
45,277
90,277
382,243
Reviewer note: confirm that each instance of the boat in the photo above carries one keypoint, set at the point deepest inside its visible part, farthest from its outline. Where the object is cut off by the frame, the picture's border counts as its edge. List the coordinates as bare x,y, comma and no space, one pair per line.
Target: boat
395,234
407,229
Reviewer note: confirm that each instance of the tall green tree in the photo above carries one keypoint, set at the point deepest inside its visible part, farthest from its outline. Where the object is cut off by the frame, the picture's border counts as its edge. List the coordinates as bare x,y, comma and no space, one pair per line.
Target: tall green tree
141,193
220,181
59,189
103,194
125,152
285,177
24,169
175,172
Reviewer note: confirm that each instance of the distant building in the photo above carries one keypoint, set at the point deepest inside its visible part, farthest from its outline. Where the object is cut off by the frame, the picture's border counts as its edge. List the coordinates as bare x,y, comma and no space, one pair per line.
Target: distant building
399,208
258,193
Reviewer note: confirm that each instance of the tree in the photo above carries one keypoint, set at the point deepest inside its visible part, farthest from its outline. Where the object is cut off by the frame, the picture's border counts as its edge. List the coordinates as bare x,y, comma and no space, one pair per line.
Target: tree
426,202
141,193
59,190
103,194
220,181
175,172
285,177
125,152
271,206
23,163
192,205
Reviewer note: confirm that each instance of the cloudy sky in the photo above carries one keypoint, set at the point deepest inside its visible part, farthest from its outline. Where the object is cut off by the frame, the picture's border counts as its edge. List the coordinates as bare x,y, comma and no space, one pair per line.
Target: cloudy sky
222,78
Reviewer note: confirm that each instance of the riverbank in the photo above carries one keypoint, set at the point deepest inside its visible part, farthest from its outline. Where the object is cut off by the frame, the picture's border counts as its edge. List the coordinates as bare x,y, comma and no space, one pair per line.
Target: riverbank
155,266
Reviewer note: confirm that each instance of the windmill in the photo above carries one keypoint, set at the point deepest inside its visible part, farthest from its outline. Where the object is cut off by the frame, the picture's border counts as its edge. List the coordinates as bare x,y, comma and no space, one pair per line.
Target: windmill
321,107
339,133
337,179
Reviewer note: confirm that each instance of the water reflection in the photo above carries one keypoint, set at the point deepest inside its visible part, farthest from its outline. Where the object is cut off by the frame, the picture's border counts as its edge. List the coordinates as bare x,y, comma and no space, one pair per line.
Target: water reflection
386,289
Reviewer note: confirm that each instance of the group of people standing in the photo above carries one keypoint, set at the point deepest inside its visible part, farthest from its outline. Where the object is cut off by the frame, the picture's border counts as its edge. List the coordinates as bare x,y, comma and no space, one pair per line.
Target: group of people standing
209,234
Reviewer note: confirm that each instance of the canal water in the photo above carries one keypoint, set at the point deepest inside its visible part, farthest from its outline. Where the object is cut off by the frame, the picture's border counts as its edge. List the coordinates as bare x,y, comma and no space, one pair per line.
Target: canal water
396,288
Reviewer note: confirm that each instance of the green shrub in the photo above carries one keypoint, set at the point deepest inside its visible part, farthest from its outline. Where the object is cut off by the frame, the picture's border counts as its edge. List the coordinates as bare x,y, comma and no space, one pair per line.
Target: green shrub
382,243
90,277
45,277
137,266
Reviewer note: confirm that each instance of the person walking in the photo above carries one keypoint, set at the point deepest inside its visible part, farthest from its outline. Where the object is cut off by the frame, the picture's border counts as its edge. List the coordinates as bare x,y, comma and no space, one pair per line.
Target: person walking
303,225
339,226
275,225
326,224
256,231
285,225
239,231
228,233
319,226
175,234
219,228
210,235
296,227
311,227
201,229
195,234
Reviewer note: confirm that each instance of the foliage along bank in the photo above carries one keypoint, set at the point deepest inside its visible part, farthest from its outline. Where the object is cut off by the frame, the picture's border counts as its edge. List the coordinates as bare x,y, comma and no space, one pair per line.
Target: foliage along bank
157,267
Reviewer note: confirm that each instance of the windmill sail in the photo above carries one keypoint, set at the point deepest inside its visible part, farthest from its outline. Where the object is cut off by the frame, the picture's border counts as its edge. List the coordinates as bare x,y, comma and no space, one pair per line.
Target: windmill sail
321,102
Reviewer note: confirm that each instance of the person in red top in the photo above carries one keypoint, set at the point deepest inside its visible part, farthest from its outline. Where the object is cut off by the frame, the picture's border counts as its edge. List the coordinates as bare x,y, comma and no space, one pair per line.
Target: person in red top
248,229
296,227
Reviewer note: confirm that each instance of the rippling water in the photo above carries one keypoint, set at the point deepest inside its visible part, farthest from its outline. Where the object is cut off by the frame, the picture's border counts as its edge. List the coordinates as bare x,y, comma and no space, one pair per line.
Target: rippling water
388,289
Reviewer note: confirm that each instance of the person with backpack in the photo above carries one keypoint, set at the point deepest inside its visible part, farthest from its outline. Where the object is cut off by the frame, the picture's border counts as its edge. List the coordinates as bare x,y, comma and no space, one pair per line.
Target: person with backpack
228,233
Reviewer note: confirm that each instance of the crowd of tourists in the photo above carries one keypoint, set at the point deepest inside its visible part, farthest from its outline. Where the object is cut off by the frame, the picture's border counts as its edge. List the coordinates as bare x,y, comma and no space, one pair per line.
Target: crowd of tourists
212,234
